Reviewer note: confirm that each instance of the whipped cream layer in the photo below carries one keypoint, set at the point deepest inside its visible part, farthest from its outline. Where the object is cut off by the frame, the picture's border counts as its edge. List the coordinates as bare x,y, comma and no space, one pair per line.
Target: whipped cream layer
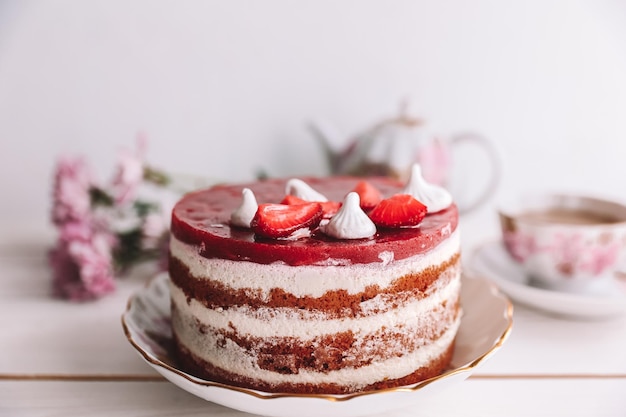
289,322
229,356
310,280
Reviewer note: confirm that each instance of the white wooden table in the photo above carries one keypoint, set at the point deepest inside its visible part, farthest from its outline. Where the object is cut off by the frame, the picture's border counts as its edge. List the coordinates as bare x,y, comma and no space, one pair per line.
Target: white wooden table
63,359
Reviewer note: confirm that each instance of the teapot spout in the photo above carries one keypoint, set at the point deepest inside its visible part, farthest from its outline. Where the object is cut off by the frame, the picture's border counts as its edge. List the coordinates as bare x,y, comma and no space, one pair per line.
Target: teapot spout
328,137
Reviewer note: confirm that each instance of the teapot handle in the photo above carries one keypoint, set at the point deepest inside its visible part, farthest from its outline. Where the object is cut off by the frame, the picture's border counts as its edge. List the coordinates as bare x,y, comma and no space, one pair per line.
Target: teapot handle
495,167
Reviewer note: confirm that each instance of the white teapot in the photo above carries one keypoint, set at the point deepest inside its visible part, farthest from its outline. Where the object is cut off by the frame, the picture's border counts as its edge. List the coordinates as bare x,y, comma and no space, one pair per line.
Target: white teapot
391,147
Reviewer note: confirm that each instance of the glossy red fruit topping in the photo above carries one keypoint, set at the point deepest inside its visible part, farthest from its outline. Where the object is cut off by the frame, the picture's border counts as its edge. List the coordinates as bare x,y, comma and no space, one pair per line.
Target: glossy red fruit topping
329,208
400,210
281,220
369,195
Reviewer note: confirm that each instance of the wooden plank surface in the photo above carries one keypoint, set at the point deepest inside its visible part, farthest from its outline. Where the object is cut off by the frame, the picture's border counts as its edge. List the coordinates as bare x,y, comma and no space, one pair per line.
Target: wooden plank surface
61,358
474,397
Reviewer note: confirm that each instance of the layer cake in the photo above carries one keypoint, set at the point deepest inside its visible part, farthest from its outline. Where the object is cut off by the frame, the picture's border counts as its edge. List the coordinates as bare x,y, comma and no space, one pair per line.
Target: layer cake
312,312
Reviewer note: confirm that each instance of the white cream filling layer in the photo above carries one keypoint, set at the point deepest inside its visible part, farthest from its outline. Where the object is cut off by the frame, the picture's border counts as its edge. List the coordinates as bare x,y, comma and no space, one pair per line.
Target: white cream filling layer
286,323
310,280
234,359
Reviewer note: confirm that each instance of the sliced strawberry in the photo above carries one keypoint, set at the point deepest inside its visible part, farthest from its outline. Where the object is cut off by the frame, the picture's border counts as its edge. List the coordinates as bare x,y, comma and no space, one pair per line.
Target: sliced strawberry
369,195
292,199
281,220
399,210
329,208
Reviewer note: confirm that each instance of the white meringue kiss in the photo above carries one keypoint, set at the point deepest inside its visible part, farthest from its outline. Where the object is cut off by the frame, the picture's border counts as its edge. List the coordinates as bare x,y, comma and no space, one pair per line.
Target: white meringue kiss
435,198
303,190
350,222
246,211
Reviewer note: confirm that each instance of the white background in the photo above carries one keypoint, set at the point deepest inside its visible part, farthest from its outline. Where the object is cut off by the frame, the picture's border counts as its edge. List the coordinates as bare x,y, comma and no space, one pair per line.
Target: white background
225,88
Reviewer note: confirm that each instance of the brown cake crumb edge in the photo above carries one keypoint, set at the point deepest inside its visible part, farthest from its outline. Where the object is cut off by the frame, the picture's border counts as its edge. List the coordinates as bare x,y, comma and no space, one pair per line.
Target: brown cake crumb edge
336,303
202,369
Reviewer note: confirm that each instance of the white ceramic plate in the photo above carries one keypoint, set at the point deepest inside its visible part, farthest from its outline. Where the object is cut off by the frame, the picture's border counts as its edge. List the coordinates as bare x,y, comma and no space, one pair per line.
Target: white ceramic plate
493,262
486,323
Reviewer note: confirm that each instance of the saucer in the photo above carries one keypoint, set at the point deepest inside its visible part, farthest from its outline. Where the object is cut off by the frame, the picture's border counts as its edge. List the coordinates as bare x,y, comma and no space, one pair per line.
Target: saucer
485,325
493,262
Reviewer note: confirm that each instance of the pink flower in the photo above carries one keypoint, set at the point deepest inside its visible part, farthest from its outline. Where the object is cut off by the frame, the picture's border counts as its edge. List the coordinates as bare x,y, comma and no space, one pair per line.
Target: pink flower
71,199
82,263
152,230
435,161
104,230
129,174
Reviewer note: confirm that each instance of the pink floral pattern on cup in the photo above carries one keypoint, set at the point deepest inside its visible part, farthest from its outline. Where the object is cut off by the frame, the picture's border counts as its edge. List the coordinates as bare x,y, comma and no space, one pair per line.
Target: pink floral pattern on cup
520,245
566,242
570,254
601,258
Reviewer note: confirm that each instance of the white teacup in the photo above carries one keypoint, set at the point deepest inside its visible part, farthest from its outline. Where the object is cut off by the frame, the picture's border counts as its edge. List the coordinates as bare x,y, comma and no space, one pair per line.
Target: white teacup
566,242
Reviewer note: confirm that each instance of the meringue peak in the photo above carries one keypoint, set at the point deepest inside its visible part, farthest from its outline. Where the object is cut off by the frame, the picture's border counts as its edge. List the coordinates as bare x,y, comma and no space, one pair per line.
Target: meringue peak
301,189
350,222
434,197
243,215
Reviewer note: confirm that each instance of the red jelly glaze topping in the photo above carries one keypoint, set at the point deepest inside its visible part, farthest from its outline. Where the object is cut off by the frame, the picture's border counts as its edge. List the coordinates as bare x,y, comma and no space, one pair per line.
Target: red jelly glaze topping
202,218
